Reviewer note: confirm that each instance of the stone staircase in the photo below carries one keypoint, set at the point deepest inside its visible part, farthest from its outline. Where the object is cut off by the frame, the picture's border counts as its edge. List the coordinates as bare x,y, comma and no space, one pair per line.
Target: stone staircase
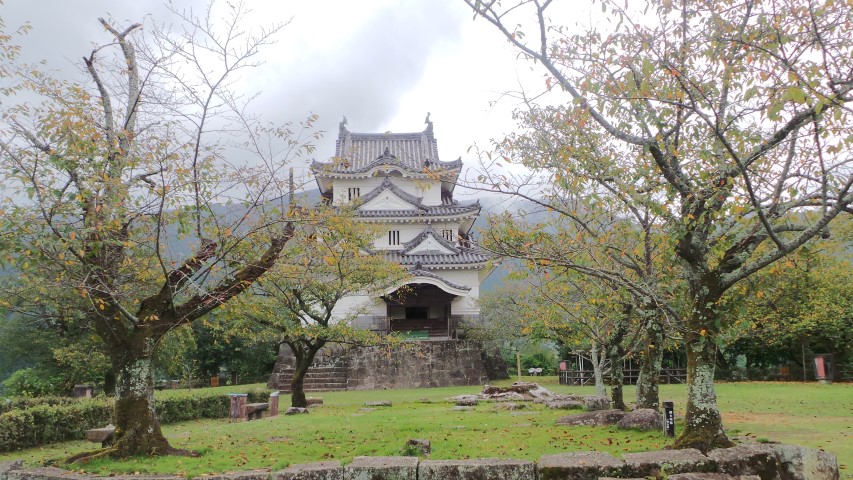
318,379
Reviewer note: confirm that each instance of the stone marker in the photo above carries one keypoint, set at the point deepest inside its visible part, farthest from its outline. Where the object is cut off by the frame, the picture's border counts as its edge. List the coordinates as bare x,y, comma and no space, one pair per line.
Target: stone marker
579,466
311,471
669,418
295,411
379,403
467,402
477,469
641,419
382,468
314,401
274,396
462,408
653,464
237,411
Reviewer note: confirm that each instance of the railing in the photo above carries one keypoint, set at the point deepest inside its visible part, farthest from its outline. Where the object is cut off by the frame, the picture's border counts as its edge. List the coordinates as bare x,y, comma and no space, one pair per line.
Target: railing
630,376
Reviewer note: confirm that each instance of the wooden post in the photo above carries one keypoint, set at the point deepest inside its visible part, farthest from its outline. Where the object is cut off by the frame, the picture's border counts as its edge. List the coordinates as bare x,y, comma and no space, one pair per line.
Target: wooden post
238,407
518,363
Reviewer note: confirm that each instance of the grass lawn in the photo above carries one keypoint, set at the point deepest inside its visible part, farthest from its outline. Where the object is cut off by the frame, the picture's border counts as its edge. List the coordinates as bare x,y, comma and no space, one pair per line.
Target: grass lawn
808,414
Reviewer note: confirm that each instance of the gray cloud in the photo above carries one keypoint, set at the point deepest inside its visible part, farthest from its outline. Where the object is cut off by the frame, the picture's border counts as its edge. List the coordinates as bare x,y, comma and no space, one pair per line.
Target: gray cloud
363,78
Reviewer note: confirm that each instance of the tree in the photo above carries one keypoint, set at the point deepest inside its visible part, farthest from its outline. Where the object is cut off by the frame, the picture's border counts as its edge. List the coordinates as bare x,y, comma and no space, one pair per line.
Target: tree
298,301
730,120
803,302
124,204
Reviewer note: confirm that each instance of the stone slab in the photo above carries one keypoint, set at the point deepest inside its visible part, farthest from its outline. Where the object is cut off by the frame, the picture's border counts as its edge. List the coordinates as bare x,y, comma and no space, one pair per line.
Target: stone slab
579,466
311,471
382,468
477,469
98,435
700,476
245,475
755,459
666,462
804,463
592,419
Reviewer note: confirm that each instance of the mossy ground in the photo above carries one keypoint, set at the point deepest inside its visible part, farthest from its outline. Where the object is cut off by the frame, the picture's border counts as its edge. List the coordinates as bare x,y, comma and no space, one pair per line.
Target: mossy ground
809,414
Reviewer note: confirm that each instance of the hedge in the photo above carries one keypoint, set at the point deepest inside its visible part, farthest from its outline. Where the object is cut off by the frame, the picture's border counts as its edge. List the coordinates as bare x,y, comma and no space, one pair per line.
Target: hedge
43,422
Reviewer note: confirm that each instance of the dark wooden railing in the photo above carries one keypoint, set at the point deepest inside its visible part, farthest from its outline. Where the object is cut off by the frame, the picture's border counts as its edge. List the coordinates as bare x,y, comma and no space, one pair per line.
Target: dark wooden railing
587,377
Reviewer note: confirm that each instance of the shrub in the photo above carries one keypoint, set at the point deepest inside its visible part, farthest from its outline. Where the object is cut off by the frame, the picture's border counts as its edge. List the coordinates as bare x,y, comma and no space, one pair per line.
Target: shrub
46,423
33,382
46,420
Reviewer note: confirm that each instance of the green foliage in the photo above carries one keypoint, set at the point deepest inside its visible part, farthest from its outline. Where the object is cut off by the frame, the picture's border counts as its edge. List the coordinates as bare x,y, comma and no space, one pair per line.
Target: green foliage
30,422
34,382
42,424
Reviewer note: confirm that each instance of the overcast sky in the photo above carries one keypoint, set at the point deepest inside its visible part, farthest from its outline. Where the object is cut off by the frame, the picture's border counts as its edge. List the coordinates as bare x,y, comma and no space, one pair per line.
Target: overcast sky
382,63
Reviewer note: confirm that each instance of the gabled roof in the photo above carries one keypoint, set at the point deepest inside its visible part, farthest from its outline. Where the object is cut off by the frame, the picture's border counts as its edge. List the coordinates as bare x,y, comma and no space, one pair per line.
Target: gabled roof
416,202
430,233
415,152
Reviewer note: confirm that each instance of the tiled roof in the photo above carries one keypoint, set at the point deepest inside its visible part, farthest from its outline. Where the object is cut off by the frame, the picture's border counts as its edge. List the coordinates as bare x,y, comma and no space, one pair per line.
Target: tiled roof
418,271
360,152
429,231
466,257
431,211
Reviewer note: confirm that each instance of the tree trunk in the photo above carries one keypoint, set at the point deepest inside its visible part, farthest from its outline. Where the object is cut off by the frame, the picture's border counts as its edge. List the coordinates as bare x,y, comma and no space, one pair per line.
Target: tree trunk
616,380
304,355
137,428
597,370
648,392
703,427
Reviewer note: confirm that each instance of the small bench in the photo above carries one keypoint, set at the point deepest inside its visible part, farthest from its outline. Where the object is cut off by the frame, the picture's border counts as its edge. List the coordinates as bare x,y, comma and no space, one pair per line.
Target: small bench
102,435
256,410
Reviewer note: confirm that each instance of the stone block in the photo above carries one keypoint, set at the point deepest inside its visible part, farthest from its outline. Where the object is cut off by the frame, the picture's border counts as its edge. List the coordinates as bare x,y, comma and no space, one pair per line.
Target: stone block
666,462
804,463
379,403
246,475
642,419
593,403
6,467
314,401
747,460
422,446
382,468
295,411
579,466
564,404
100,435
311,471
700,476
477,469
593,419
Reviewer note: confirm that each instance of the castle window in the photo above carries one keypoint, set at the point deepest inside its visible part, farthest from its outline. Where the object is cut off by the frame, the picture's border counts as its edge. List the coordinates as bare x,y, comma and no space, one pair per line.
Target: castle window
353,193
394,237
448,235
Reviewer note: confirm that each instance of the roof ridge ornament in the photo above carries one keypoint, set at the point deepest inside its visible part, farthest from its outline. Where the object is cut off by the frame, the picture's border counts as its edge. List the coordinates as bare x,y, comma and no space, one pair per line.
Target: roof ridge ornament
387,155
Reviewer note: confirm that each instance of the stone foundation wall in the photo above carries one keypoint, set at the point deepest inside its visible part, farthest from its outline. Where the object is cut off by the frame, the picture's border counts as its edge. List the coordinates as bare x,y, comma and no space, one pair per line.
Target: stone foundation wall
432,363
744,462
428,363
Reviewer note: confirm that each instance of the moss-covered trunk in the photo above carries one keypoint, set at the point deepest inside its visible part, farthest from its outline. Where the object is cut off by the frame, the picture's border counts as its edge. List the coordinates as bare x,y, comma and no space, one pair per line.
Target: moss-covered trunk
137,428
703,426
617,379
651,357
